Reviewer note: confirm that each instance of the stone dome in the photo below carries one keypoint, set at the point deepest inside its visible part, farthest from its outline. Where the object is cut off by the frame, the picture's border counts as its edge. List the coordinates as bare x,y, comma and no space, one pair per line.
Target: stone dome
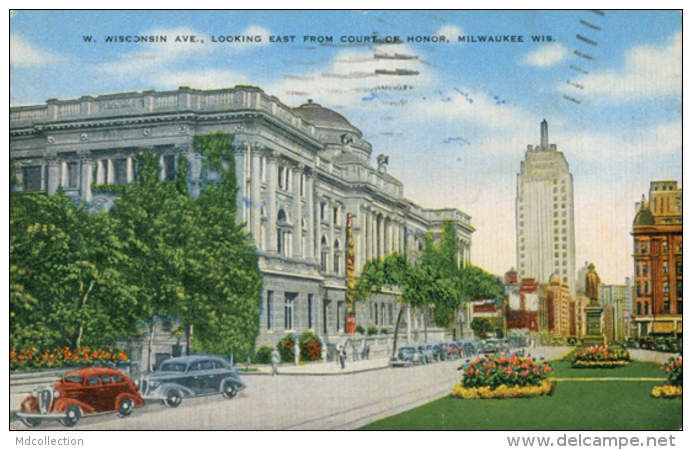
554,279
325,118
643,217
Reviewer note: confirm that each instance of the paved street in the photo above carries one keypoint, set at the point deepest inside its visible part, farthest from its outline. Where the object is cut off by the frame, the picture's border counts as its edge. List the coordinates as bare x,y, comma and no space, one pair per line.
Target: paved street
308,402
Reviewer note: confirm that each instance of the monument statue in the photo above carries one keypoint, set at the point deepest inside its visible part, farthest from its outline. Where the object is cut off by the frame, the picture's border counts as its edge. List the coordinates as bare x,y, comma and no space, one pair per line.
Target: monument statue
592,284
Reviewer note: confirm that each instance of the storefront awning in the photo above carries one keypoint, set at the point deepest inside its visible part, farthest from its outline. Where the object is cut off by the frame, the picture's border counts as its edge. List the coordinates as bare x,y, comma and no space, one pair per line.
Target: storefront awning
663,327
679,330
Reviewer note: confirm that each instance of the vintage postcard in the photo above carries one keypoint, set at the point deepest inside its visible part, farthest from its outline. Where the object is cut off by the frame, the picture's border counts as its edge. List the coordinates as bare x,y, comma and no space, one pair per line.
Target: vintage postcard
346,220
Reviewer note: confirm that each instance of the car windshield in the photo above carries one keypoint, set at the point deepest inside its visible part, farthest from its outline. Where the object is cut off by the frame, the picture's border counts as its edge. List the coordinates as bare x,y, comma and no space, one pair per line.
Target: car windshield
407,350
73,379
173,367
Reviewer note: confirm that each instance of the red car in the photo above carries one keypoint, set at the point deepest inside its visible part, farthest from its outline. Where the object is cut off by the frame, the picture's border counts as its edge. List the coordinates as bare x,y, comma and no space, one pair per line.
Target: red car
83,391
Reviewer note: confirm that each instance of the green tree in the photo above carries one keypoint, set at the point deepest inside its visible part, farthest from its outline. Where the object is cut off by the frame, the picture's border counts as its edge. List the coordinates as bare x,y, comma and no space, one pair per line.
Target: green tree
223,279
415,283
154,224
66,286
481,327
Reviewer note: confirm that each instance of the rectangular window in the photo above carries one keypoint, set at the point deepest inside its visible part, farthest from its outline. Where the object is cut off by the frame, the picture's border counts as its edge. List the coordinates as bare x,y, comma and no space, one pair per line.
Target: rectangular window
289,301
323,262
665,267
323,211
73,174
666,307
32,178
168,168
340,316
281,177
336,215
120,171
270,310
336,263
325,316
311,319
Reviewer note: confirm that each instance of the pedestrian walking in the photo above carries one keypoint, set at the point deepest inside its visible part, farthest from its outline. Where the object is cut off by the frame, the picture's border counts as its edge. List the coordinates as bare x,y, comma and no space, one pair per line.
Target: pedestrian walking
342,356
276,360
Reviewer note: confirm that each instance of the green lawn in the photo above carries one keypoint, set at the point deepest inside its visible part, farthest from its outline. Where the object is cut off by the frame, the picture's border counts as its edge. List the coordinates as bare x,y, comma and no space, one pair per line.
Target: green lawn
575,405
637,369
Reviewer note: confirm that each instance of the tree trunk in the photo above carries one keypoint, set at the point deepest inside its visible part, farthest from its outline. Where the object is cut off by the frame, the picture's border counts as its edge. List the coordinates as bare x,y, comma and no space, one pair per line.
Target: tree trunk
85,297
150,366
396,329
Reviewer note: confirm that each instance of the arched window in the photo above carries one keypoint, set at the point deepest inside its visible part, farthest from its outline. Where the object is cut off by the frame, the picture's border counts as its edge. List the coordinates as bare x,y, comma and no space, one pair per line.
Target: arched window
281,217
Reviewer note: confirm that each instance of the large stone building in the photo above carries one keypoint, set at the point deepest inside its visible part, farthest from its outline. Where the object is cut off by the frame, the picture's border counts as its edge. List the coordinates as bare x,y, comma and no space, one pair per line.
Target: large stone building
555,309
545,214
300,172
657,233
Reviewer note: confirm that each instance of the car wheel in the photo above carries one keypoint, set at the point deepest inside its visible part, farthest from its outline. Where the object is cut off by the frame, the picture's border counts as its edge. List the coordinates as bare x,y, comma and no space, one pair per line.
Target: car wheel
173,398
72,415
31,423
229,390
126,407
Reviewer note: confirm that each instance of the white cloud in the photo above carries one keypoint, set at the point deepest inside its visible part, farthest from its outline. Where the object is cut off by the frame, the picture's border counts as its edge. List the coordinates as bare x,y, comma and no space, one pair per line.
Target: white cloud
24,54
649,72
546,55
450,31
477,108
149,59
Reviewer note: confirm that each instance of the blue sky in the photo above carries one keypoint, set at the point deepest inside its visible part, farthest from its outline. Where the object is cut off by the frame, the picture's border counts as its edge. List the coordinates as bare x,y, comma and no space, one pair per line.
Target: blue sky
456,132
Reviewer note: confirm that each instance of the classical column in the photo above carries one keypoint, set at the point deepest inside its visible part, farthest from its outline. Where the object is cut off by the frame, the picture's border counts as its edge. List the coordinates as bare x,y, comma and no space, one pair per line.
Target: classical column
298,212
86,175
255,199
129,169
332,236
272,173
309,189
109,172
380,237
402,241
53,175
367,226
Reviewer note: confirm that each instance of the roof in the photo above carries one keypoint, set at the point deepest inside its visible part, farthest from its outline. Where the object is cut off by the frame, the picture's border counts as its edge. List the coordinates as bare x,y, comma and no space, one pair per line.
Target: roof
90,371
193,358
643,217
323,117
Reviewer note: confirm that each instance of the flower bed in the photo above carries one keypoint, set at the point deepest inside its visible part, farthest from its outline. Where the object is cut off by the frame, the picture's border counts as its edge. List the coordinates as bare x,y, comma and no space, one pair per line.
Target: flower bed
504,377
545,388
601,358
673,387
32,359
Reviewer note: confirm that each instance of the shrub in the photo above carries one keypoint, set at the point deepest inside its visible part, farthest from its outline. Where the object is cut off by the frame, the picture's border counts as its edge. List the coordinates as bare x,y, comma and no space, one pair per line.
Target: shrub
673,368
504,370
372,331
384,330
310,347
30,358
263,355
285,347
360,329
601,357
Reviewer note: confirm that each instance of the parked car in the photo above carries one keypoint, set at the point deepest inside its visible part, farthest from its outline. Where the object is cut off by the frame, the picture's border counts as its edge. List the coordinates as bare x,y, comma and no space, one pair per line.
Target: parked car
87,390
191,376
427,356
408,356
493,346
452,350
438,353
468,348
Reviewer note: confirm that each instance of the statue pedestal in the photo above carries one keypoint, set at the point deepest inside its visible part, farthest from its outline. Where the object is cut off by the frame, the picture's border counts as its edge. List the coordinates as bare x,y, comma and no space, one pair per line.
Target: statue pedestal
594,335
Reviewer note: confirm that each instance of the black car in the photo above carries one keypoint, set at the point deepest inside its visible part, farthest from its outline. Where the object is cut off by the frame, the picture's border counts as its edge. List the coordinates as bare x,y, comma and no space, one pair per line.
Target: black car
191,376
438,353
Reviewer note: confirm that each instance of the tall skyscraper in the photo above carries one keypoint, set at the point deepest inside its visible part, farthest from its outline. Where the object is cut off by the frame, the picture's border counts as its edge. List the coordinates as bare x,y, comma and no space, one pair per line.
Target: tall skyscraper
545,214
